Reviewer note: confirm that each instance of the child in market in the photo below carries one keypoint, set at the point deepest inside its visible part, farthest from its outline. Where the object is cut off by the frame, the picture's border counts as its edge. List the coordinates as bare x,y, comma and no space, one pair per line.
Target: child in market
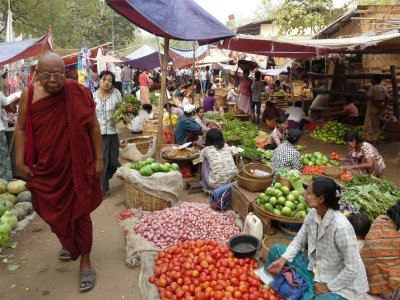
278,134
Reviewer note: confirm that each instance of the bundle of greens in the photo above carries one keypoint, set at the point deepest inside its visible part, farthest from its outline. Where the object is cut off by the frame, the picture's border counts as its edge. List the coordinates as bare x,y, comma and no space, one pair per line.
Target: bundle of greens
370,199
294,176
360,179
155,98
121,113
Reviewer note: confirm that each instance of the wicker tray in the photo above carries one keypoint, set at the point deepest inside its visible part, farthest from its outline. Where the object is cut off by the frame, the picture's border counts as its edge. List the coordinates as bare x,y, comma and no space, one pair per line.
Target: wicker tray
142,143
261,167
332,171
253,184
269,241
136,198
272,216
179,158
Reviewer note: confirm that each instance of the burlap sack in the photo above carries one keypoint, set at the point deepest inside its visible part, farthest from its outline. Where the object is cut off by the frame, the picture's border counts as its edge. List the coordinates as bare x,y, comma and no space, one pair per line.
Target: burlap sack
168,186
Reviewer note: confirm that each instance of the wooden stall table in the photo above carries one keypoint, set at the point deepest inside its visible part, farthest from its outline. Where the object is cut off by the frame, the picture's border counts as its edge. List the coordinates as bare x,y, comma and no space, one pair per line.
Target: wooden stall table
242,200
186,165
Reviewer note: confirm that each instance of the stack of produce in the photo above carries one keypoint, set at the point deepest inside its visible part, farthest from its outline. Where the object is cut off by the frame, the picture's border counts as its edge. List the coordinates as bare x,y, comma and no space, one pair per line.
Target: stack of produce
183,223
15,204
332,132
149,166
167,121
15,198
370,195
318,159
207,270
282,201
155,98
122,114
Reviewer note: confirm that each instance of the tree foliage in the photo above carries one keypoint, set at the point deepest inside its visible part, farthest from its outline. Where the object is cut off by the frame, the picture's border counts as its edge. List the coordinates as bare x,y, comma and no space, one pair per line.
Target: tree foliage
302,16
74,23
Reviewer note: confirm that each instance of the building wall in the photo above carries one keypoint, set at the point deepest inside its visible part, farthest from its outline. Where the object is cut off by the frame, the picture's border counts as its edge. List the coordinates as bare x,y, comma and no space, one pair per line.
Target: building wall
269,30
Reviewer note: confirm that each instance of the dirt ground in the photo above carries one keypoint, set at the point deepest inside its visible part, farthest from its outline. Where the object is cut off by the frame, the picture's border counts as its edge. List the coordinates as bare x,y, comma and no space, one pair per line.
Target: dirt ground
43,276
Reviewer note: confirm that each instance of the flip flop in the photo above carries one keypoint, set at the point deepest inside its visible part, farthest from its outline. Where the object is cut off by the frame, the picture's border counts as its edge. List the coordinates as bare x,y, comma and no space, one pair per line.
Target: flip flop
87,279
64,255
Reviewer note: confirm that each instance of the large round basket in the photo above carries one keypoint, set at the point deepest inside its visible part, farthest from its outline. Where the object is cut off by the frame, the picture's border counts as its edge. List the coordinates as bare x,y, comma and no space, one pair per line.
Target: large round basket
142,143
136,198
235,141
269,215
261,167
271,240
253,184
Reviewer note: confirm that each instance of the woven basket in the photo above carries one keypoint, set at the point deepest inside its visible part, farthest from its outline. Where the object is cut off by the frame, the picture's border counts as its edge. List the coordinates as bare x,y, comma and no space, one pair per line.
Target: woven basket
252,184
332,171
271,240
142,143
269,215
254,166
150,125
234,142
136,198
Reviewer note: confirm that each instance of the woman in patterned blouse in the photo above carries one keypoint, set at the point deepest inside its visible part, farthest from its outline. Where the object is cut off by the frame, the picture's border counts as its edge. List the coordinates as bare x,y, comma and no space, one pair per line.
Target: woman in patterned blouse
363,156
107,99
332,266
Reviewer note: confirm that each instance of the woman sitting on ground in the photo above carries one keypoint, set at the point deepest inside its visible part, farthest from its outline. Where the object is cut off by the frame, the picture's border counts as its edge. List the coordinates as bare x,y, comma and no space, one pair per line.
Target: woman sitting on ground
349,114
278,134
174,109
381,255
205,124
270,114
363,156
331,266
286,156
209,102
218,165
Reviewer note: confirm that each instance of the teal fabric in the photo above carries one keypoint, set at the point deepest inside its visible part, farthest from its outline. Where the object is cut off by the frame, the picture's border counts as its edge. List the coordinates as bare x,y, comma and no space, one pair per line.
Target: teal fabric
300,265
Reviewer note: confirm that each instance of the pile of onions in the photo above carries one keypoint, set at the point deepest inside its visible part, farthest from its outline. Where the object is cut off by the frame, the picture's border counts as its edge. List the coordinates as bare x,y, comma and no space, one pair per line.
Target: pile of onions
186,223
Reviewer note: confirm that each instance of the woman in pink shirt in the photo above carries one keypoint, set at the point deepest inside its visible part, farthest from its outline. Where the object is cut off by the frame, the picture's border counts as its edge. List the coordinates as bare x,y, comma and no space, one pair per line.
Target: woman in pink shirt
349,115
144,82
244,102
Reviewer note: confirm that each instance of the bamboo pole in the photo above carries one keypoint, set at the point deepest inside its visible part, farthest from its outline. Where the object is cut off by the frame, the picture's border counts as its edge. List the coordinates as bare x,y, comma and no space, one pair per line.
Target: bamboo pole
162,98
193,68
161,62
396,109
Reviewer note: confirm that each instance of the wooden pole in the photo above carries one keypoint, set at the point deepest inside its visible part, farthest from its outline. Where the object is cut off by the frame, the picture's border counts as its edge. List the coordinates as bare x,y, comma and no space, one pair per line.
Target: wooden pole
193,68
162,98
396,110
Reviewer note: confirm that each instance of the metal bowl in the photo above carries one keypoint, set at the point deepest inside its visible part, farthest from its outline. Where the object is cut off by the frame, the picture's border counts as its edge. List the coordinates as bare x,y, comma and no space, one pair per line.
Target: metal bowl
244,245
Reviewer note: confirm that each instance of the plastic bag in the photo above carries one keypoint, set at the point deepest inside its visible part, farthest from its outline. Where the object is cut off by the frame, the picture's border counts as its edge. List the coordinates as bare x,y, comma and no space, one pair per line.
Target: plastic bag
289,284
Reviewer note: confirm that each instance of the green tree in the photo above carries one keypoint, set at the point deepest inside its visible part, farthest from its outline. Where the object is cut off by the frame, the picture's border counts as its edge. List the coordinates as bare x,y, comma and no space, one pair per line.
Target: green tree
299,16
75,23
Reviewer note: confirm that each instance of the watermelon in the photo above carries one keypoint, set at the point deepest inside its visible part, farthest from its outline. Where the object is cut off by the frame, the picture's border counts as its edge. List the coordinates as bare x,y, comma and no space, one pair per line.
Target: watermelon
24,197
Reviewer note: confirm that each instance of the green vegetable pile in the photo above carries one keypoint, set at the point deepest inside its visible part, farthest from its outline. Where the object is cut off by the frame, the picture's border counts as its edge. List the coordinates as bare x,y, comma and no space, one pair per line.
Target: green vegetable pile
334,132
294,177
244,131
370,195
155,99
121,113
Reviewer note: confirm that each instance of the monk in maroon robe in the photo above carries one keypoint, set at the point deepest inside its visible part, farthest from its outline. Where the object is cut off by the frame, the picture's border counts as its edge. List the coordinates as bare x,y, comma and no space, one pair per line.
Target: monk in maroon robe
59,153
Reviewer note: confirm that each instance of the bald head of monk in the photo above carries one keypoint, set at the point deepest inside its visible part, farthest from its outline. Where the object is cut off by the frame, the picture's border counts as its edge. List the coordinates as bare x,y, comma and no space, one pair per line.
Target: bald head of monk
51,72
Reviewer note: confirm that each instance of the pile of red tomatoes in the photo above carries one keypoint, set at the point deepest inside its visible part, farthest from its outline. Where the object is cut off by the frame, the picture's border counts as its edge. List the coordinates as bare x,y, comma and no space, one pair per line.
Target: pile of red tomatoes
207,270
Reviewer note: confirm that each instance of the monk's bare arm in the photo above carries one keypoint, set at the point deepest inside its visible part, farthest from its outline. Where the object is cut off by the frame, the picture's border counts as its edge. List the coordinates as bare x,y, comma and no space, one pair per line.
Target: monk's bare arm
95,136
24,171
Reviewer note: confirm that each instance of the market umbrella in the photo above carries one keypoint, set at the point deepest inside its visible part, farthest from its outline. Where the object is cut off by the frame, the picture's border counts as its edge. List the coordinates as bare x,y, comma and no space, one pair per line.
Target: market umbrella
171,19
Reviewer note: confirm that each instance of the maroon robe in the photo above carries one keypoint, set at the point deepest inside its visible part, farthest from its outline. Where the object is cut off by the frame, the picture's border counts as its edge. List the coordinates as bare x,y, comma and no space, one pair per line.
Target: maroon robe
60,152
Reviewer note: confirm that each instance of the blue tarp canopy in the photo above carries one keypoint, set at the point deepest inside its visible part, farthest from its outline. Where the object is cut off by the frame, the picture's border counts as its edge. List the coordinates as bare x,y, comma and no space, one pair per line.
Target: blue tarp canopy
13,51
144,58
177,19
